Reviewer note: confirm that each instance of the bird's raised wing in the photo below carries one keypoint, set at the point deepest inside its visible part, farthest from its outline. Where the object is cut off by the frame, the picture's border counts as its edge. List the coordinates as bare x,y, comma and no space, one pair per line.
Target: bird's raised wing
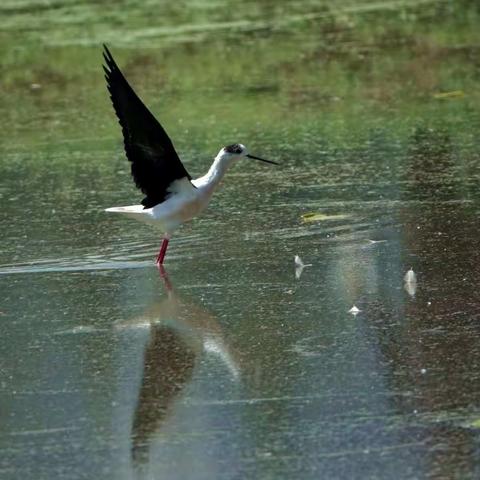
155,163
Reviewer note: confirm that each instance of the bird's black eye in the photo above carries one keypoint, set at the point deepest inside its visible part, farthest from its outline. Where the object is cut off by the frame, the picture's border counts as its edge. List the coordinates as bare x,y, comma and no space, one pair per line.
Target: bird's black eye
235,148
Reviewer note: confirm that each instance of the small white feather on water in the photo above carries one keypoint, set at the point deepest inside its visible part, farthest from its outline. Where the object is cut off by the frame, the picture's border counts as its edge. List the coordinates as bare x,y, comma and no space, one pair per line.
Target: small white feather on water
410,280
354,310
299,266
410,276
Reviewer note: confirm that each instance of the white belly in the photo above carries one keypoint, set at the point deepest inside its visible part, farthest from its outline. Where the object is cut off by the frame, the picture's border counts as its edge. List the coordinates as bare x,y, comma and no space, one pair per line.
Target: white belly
177,210
184,203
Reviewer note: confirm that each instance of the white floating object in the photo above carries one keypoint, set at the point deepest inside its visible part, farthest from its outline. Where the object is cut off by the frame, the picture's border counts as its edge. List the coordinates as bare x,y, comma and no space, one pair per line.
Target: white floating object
354,310
410,280
298,262
410,276
299,266
411,288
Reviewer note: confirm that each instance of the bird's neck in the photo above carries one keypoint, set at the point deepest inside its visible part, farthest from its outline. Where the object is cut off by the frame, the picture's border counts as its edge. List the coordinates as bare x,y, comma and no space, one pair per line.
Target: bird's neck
216,172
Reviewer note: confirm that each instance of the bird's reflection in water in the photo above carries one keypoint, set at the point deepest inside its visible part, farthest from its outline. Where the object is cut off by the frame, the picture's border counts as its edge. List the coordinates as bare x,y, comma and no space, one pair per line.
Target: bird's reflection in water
180,333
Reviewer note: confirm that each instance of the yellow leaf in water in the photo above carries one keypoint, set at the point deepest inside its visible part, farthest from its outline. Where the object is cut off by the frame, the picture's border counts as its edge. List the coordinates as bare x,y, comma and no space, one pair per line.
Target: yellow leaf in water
475,423
452,94
319,217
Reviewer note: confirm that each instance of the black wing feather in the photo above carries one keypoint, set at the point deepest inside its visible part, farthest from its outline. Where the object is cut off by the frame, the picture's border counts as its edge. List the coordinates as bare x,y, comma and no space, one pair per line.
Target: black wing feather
155,163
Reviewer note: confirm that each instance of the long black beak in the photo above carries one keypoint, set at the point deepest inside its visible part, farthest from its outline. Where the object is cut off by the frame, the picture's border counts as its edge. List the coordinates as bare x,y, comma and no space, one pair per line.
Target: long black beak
261,159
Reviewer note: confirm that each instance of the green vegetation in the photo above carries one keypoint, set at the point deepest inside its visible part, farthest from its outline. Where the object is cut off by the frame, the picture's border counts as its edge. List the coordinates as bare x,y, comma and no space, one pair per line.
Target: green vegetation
316,75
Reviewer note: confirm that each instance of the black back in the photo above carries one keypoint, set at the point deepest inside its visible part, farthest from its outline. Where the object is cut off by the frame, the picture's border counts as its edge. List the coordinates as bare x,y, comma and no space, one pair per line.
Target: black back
155,163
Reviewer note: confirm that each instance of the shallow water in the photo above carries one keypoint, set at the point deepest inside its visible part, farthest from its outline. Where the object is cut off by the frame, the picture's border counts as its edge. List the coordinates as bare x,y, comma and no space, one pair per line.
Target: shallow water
227,365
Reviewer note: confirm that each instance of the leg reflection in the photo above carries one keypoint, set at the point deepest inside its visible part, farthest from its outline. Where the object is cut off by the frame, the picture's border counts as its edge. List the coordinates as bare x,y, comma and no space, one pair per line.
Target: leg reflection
181,332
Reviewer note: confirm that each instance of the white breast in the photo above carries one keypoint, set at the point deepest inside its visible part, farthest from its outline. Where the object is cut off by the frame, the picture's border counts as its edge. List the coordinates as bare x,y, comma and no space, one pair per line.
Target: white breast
184,203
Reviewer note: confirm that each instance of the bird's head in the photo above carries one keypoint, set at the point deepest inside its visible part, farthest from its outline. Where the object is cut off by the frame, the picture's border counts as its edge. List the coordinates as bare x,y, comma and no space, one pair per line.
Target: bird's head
237,151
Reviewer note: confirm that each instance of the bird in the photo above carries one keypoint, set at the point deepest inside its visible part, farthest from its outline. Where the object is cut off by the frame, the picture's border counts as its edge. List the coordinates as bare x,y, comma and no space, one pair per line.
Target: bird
172,197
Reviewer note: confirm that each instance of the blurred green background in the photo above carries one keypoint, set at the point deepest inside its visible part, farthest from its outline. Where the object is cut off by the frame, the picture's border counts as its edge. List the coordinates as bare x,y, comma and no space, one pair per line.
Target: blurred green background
216,71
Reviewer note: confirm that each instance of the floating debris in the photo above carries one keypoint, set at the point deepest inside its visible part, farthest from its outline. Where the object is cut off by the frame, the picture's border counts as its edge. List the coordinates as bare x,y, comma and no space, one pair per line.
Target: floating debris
354,310
299,266
298,262
451,94
410,280
473,423
319,217
411,288
80,329
371,243
410,276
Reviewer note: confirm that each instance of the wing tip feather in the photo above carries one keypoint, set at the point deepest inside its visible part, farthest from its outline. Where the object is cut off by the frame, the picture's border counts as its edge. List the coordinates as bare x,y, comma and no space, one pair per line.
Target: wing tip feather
109,60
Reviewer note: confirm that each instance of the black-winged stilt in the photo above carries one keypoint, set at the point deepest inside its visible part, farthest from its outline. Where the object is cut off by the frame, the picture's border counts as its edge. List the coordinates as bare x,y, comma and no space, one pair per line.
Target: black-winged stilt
172,197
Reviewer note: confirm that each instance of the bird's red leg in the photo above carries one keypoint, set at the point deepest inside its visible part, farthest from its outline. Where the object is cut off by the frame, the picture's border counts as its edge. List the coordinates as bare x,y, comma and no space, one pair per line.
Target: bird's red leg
166,280
163,250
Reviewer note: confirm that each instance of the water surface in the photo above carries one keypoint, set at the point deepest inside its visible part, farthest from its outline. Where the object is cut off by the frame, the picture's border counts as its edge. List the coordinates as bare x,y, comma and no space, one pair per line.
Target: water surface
227,365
